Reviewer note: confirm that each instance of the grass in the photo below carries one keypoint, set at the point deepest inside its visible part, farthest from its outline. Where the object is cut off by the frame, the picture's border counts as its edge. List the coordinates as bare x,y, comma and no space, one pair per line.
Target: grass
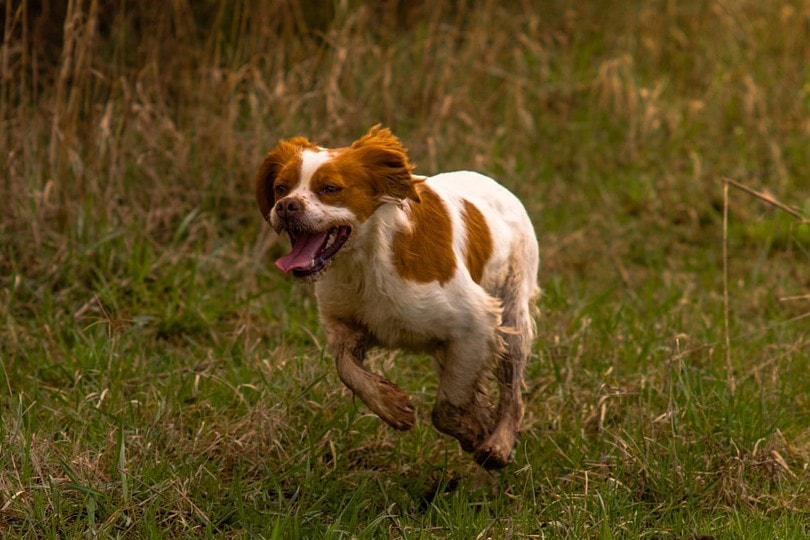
158,377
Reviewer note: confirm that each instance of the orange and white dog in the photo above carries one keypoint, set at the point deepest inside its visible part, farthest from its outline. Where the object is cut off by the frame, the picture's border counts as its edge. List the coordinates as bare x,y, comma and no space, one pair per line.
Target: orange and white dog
445,265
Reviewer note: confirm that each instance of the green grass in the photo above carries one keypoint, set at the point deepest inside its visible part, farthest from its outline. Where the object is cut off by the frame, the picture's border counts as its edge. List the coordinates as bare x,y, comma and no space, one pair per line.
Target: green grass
160,378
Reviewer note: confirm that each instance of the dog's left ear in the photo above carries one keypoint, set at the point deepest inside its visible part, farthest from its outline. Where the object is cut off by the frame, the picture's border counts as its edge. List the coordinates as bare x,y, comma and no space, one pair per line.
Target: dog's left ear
273,162
383,156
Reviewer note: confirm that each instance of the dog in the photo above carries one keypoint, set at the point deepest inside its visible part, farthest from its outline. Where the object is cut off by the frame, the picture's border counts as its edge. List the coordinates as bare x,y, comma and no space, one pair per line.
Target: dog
445,265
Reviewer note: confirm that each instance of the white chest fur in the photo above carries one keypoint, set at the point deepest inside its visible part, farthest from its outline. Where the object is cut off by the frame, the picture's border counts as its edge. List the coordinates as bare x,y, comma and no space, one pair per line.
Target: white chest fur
396,312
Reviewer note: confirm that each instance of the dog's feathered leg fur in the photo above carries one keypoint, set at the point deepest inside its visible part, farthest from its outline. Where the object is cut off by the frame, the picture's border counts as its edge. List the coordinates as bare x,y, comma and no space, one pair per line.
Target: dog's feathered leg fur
348,344
517,332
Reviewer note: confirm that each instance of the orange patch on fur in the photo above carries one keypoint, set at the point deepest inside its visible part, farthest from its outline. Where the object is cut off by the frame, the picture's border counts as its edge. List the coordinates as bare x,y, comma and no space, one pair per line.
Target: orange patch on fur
356,190
386,161
478,245
425,252
370,172
281,164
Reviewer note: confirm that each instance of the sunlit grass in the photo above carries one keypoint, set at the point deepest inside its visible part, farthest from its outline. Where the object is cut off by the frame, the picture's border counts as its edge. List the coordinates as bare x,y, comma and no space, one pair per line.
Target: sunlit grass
158,377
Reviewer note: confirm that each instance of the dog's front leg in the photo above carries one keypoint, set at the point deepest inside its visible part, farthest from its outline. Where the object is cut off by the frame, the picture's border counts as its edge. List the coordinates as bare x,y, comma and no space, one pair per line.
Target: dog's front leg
348,344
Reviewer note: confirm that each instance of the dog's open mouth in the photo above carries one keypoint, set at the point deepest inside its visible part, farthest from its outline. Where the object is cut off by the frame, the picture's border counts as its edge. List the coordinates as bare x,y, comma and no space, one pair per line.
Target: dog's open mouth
312,251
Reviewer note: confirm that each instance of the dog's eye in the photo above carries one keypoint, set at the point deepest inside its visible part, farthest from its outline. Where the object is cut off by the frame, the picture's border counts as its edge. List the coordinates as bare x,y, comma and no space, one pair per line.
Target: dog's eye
330,189
280,189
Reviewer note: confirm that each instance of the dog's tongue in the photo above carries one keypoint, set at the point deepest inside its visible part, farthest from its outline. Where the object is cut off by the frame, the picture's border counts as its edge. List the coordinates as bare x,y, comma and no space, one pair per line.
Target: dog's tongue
303,251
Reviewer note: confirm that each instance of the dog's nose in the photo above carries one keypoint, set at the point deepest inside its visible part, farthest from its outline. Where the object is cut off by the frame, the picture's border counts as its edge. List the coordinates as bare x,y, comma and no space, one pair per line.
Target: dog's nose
288,207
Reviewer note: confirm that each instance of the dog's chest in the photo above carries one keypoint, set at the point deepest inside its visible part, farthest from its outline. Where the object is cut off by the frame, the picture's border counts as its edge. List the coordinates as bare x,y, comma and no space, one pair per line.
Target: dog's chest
396,312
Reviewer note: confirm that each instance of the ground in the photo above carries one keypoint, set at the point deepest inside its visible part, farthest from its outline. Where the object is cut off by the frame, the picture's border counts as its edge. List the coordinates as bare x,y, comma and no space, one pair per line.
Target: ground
158,375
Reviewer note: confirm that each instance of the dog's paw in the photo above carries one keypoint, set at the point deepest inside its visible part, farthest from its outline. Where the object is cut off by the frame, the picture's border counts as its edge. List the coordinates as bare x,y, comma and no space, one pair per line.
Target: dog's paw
394,406
459,422
492,457
496,451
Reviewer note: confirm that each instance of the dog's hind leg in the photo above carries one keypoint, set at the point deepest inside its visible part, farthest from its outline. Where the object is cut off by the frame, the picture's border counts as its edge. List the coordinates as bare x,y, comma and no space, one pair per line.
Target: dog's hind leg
517,334
348,344
463,408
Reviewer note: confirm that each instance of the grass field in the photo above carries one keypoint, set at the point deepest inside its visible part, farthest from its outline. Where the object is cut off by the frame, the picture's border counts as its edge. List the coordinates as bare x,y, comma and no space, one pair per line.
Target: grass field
160,378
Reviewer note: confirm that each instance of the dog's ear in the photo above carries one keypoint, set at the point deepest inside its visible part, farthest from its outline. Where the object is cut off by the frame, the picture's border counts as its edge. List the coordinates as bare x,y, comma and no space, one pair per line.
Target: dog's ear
273,162
383,156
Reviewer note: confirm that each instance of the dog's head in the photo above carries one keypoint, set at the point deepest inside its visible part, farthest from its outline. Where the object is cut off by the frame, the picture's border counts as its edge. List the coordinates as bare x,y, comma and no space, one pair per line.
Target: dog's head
321,197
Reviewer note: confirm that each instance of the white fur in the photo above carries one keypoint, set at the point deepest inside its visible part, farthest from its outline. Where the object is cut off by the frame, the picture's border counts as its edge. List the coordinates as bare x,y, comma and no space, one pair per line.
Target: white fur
363,284
469,327
310,161
318,216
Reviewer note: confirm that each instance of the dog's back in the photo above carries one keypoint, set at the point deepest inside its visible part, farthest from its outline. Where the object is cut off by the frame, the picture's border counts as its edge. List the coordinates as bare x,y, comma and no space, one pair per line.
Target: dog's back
514,244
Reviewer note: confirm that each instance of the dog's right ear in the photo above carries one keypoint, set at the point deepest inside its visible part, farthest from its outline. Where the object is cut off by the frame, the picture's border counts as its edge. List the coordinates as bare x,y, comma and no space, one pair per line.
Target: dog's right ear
274,161
381,153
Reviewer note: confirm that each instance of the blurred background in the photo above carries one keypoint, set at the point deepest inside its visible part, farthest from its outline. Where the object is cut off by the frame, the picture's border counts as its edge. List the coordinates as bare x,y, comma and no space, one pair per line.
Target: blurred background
633,109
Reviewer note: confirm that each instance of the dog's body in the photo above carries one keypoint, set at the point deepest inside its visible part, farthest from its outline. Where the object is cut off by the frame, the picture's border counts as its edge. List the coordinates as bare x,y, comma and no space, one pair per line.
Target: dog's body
445,265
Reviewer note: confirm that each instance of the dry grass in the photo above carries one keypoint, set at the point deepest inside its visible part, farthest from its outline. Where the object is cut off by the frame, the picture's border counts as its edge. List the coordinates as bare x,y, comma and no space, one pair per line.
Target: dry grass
158,377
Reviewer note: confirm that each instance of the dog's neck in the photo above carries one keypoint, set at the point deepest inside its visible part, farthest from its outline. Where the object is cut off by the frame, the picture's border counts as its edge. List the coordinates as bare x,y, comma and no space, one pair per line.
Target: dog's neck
374,241
366,267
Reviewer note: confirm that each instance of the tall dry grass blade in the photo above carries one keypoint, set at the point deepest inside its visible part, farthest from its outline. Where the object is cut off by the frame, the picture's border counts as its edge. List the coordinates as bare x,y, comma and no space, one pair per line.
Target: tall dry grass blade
794,297
6,77
769,199
765,198
729,367
72,82
4,74
62,80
